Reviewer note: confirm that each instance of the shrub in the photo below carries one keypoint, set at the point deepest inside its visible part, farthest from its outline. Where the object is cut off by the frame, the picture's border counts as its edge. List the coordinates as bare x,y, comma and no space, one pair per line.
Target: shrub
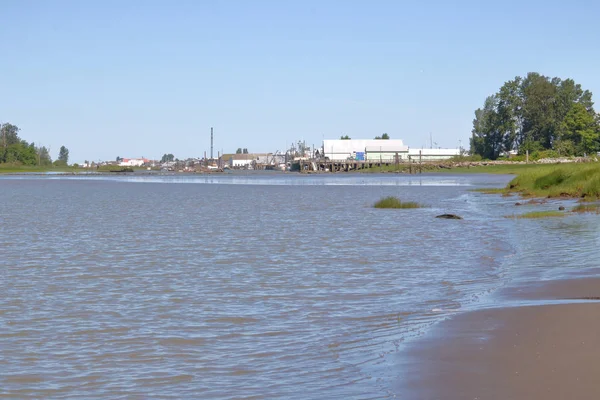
394,202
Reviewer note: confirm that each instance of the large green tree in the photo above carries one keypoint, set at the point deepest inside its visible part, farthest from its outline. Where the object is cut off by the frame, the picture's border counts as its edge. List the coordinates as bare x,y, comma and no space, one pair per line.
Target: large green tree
579,131
15,150
530,113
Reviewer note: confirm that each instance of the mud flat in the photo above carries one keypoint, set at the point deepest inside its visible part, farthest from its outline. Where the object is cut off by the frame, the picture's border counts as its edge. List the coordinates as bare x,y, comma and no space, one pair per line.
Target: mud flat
547,351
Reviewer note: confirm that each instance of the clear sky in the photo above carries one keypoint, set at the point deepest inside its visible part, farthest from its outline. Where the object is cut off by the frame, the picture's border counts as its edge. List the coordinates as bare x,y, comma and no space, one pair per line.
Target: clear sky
142,78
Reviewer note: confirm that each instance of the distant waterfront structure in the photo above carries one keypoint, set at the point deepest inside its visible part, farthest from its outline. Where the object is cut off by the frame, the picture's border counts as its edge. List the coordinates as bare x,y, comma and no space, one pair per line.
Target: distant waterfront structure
381,150
133,162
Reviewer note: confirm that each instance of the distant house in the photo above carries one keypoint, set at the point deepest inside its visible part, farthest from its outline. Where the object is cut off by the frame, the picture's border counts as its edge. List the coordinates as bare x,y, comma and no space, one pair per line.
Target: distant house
133,162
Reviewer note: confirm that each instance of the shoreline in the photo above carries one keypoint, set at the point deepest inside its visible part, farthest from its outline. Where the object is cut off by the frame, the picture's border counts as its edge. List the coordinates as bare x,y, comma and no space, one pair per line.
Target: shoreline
545,351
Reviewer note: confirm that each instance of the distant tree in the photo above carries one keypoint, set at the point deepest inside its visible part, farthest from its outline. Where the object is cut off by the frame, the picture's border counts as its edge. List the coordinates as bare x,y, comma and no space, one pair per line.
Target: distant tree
167,158
238,151
345,137
385,136
43,156
9,136
119,159
245,151
63,155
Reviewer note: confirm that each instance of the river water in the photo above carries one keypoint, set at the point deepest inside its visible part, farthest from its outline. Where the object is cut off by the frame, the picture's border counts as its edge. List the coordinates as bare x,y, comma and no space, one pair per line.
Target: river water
258,286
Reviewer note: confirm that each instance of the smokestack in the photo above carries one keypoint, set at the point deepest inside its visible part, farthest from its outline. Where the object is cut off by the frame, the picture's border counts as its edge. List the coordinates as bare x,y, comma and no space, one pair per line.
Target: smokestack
211,143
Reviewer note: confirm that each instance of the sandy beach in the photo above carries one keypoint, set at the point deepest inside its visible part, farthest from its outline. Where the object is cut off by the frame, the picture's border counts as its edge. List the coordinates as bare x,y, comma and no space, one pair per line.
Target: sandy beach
529,352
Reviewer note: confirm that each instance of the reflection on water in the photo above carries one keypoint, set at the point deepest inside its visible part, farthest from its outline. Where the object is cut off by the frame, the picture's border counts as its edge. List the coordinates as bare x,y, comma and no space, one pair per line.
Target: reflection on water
280,286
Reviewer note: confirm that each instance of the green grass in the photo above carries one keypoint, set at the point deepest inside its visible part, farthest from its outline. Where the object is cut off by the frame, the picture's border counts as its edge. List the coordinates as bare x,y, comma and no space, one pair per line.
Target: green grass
490,190
508,169
448,168
403,167
394,202
114,168
559,180
538,214
587,208
16,168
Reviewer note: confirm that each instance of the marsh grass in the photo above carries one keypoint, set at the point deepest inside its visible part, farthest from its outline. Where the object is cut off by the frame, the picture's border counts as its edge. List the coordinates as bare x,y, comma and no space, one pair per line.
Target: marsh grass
491,191
394,202
114,168
17,168
538,214
587,208
559,180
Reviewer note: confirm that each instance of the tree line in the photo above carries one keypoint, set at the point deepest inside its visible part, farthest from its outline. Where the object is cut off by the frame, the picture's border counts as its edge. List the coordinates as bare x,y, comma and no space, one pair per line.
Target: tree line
14,150
537,113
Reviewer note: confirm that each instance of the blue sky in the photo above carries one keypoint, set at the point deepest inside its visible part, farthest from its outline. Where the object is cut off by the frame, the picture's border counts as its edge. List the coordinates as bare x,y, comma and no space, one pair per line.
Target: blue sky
143,78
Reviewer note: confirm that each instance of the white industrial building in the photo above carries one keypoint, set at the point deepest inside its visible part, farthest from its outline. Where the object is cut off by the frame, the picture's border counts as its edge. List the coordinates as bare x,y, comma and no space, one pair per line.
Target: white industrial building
432,154
337,150
381,150
133,162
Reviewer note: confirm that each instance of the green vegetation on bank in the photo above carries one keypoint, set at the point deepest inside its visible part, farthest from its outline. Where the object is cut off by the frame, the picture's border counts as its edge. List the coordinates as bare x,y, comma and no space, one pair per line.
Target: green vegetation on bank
587,208
394,202
19,168
451,168
538,214
113,168
509,169
564,180
537,114
18,155
572,180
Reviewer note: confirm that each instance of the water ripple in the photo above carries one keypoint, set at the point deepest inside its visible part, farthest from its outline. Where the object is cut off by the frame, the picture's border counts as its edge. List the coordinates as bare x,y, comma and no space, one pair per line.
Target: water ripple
246,287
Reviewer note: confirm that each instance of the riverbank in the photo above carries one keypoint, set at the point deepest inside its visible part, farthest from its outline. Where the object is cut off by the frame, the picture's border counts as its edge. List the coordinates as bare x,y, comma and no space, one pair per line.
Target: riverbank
524,352
579,181
458,166
23,169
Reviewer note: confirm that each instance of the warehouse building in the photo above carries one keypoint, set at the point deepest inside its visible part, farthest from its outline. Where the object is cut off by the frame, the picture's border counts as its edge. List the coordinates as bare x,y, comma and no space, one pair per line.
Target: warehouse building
379,150
362,149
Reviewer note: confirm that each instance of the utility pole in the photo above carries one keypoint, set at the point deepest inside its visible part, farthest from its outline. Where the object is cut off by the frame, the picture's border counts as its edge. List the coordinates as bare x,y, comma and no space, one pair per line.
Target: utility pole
211,143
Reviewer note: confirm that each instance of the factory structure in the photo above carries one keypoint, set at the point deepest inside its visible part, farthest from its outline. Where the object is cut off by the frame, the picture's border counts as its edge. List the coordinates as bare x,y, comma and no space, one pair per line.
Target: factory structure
382,150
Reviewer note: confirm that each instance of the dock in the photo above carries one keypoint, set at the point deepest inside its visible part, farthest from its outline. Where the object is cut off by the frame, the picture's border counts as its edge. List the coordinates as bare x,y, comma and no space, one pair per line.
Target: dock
326,166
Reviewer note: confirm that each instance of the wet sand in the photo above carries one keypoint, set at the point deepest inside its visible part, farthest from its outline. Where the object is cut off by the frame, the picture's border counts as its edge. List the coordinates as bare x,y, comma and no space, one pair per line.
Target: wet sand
530,352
